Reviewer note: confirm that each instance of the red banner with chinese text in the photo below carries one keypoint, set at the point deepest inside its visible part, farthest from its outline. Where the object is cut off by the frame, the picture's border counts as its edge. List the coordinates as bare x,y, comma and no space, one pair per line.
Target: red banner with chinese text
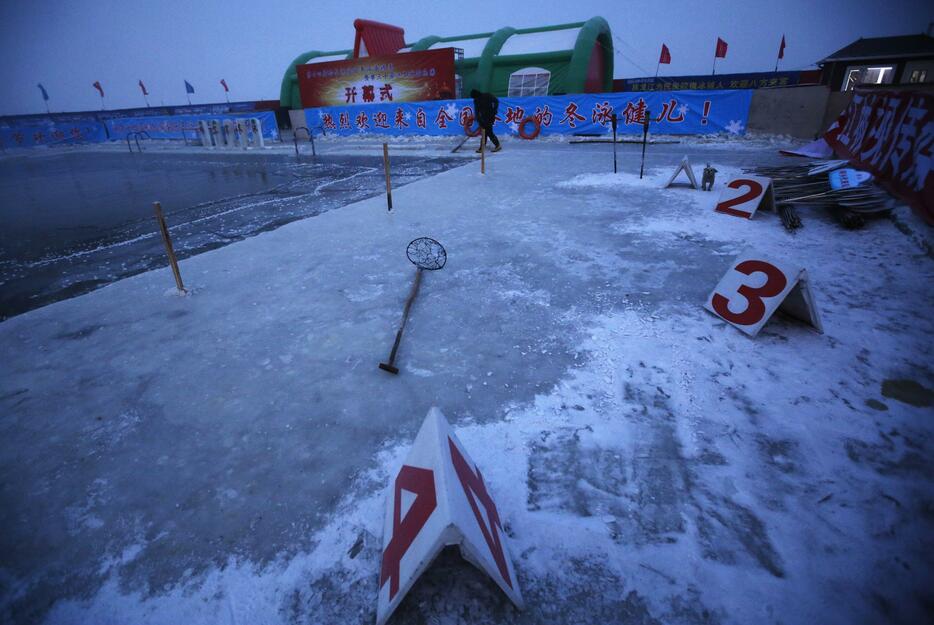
890,134
405,77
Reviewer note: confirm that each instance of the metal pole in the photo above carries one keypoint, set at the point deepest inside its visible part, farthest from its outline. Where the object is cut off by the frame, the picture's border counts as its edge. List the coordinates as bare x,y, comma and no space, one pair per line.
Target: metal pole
613,121
386,168
645,134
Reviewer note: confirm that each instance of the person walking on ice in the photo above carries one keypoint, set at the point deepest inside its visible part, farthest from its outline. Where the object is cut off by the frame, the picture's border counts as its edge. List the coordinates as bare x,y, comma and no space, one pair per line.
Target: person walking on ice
486,105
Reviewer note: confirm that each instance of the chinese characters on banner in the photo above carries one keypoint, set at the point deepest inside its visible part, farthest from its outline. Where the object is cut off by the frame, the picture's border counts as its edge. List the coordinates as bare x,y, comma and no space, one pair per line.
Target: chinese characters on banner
405,77
891,135
51,133
759,80
707,112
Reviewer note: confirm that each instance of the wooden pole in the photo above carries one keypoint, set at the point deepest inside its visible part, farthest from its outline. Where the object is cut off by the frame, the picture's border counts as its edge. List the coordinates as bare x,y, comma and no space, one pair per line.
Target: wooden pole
391,365
483,151
386,168
168,246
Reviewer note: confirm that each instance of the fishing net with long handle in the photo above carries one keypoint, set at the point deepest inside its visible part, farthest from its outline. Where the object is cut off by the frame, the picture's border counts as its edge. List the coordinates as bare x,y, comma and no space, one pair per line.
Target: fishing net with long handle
426,253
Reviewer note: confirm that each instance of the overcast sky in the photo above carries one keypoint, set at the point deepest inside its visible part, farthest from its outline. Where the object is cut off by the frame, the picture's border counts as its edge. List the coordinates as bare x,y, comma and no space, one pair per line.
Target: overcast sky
67,45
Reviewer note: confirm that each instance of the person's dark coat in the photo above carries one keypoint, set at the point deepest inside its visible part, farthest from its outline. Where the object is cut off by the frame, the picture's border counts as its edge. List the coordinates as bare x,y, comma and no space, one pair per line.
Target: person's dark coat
485,106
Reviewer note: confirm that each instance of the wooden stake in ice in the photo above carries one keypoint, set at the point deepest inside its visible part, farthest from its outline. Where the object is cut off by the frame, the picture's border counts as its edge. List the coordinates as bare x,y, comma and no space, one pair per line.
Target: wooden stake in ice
386,168
482,150
170,252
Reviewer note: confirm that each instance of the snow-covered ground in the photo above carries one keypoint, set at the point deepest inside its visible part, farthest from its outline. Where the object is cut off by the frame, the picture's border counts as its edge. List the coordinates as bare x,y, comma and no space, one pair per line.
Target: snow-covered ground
224,457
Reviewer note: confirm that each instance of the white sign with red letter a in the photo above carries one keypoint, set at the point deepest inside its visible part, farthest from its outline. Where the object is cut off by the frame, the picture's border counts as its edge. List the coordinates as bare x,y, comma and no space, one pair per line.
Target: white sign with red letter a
439,498
755,287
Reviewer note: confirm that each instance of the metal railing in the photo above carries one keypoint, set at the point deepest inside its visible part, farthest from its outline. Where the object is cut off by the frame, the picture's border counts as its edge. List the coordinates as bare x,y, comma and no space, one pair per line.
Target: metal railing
136,137
311,137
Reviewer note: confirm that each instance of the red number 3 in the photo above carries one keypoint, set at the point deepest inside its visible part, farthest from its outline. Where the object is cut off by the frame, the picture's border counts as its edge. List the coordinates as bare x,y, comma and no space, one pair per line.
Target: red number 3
755,308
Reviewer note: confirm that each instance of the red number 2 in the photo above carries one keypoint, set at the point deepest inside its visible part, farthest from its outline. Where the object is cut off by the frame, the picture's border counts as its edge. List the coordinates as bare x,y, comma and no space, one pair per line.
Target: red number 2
755,189
755,308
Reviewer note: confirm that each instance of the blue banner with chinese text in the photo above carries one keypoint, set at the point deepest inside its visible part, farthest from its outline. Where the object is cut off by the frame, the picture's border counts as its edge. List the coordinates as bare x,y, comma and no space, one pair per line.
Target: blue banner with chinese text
46,132
753,80
682,112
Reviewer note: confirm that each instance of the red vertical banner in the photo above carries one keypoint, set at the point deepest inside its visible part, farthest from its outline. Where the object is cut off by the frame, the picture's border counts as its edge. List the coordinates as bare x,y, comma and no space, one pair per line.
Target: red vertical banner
665,57
891,135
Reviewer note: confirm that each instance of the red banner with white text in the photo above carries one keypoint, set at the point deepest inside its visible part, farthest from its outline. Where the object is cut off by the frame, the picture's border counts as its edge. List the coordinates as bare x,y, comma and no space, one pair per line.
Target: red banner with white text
404,77
890,134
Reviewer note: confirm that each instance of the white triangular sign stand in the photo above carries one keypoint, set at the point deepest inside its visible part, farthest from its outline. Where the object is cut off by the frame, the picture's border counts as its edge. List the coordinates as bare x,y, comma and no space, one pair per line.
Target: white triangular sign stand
755,287
743,196
451,506
685,166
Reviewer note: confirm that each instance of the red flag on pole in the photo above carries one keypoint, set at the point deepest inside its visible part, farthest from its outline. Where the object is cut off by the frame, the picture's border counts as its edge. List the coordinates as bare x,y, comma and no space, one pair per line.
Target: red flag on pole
97,85
224,83
781,48
721,49
143,87
665,56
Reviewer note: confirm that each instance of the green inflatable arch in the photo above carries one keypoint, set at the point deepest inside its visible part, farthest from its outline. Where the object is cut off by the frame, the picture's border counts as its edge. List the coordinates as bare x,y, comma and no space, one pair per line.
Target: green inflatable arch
491,71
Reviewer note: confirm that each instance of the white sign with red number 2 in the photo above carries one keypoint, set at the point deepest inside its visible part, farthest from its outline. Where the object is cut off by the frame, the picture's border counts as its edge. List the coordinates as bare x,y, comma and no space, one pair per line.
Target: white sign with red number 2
743,196
755,287
439,498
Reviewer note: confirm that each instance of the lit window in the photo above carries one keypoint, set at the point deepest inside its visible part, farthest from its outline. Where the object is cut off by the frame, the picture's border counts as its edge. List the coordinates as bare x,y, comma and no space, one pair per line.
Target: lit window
868,75
918,75
529,81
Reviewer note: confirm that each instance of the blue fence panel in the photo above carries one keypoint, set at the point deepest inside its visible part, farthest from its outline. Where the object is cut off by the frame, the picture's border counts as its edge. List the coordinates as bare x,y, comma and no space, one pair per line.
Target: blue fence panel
38,132
172,126
681,112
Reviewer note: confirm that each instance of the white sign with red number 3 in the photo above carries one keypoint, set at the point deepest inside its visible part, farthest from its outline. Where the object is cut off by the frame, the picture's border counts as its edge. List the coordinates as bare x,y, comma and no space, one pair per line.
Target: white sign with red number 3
755,287
742,197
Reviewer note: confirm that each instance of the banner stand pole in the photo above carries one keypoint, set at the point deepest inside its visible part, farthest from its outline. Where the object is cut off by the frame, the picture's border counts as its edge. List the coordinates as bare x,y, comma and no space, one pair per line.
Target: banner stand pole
388,183
645,134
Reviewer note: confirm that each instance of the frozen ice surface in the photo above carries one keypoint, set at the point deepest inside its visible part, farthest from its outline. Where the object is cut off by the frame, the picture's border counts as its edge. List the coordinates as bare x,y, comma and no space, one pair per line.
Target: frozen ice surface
224,457
75,221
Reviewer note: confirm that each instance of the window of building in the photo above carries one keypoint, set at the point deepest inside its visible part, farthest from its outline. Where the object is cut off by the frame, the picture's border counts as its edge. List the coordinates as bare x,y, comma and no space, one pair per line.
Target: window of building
868,75
918,75
529,81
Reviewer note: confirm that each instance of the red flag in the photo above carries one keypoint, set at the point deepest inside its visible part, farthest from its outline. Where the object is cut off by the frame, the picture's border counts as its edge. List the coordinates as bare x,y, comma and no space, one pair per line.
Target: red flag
224,83
143,87
97,85
721,49
665,56
781,48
